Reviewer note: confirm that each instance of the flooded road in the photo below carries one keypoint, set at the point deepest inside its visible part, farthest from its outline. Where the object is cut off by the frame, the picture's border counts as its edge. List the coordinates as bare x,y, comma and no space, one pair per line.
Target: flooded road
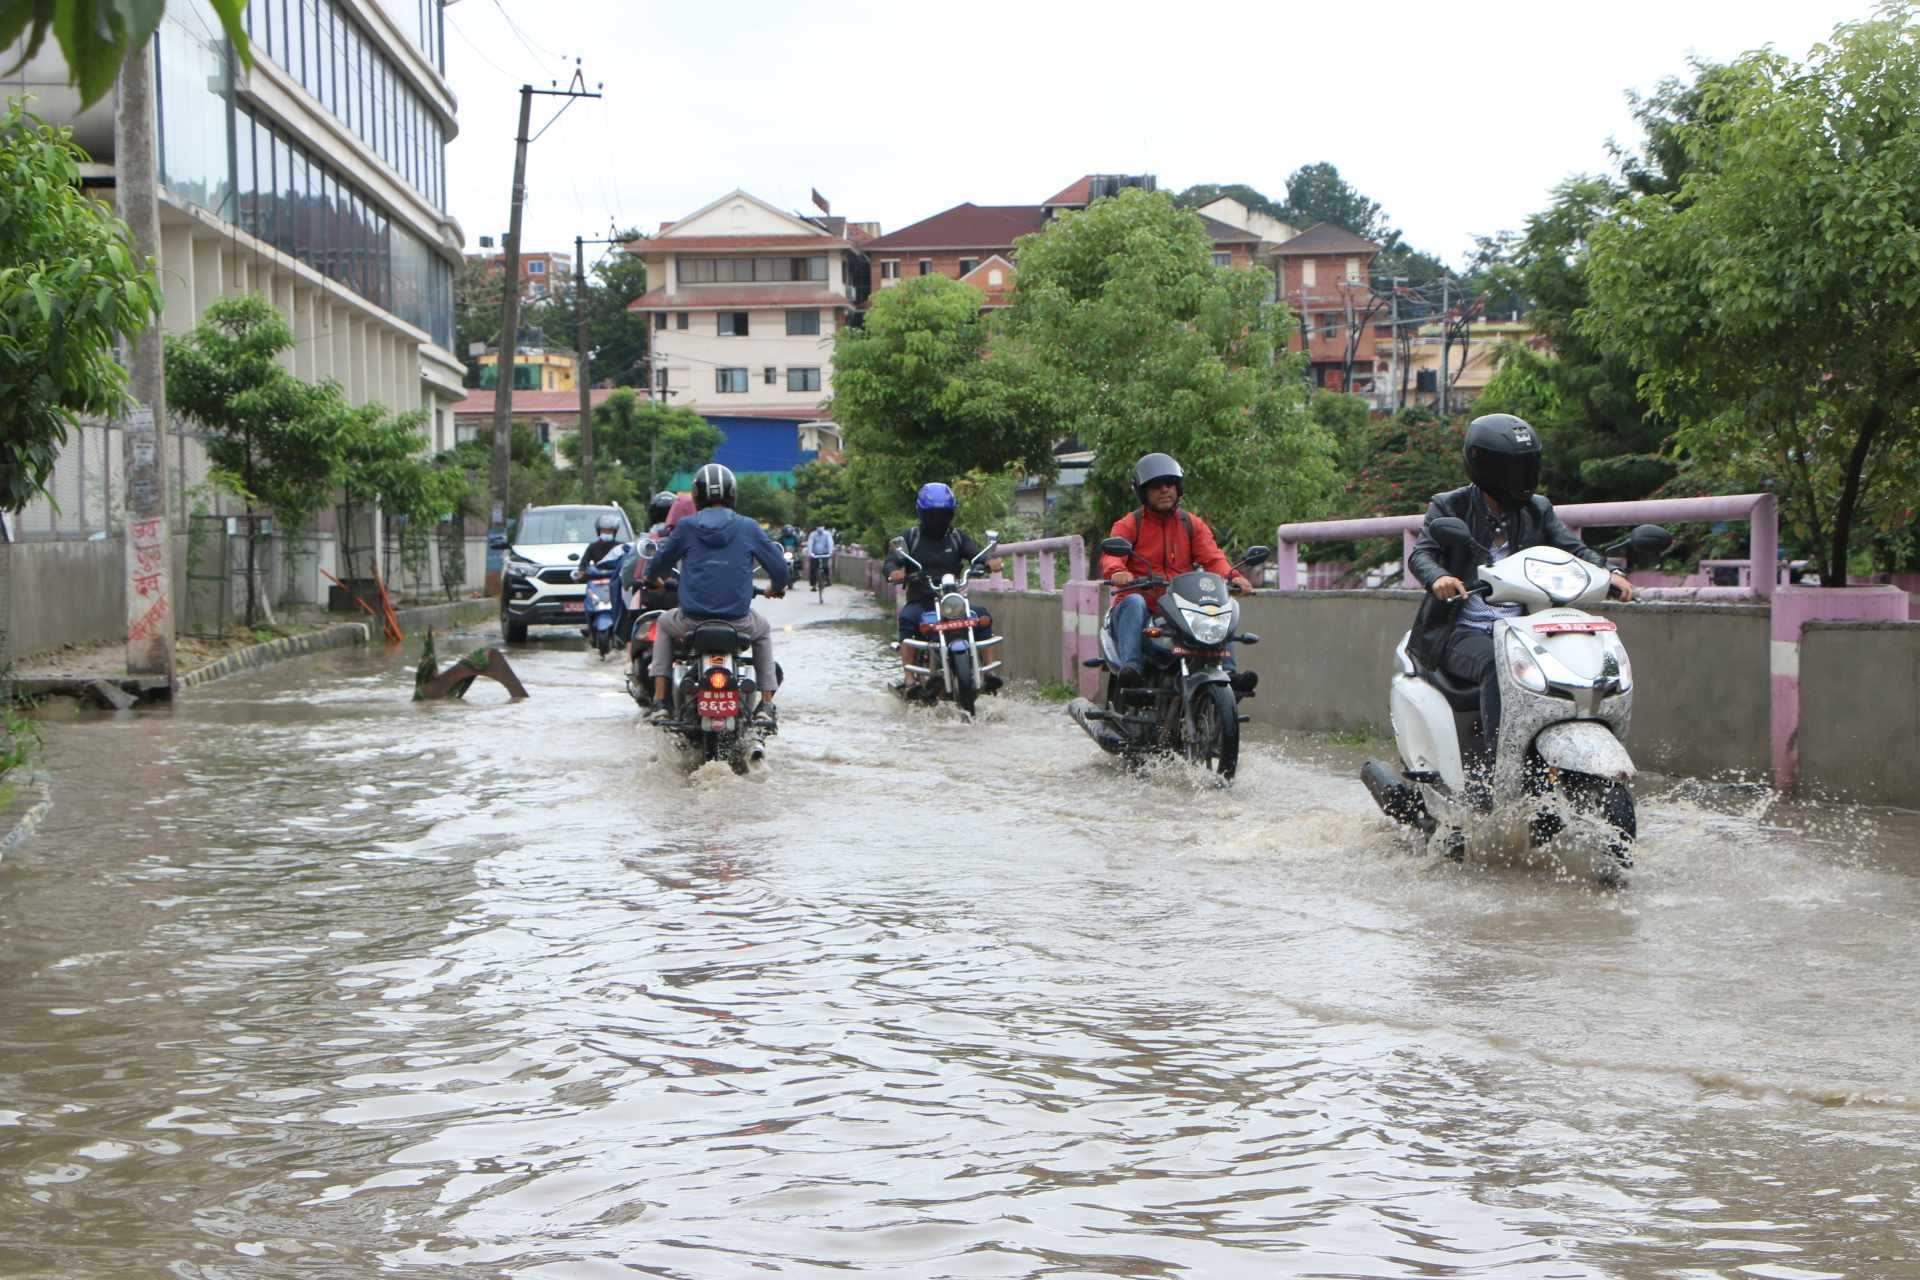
300,978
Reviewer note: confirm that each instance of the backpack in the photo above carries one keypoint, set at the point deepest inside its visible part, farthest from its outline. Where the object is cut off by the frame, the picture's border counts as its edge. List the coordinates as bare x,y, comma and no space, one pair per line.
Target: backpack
1186,523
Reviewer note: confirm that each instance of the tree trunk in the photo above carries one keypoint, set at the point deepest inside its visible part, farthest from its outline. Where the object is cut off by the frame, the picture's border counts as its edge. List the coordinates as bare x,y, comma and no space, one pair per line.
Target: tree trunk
1850,496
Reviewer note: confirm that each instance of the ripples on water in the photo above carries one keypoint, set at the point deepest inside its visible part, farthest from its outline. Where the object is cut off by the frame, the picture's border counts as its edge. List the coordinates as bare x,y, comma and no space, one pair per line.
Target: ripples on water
304,979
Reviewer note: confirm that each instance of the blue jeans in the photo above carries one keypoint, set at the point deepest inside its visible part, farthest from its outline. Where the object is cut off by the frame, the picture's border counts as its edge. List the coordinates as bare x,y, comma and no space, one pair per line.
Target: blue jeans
1125,623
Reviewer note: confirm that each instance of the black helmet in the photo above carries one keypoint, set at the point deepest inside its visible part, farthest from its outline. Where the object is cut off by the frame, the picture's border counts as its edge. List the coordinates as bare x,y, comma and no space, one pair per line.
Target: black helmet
1503,458
661,504
714,485
1155,467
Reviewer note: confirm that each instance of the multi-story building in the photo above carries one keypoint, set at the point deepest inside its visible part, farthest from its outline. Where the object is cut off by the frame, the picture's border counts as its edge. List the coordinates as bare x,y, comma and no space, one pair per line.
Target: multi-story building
1325,275
534,369
744,306
540,273
316,178
975,243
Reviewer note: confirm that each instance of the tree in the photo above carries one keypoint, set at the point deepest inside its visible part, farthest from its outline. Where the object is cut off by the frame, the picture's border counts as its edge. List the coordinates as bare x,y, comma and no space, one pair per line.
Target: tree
616,337
918,398
1317,193
1773,299
1144,345
70,291
820,495
649,440
384,464
1205,193
476,311
95,36
760,498
270,436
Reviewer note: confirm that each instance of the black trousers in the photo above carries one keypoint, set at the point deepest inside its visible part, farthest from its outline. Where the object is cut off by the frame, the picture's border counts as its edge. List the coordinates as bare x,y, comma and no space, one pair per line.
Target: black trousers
1468,656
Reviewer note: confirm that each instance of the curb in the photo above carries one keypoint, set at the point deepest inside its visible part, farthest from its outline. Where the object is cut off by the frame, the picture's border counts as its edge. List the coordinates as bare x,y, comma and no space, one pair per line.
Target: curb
28,822
261,655
447,615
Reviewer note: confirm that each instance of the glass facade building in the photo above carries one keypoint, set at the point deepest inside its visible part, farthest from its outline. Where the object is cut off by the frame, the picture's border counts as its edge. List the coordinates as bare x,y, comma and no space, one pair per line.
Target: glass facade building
247,170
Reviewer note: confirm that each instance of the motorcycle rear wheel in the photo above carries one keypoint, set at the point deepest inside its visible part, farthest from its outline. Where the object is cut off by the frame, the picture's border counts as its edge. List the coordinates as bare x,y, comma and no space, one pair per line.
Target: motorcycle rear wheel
1215,742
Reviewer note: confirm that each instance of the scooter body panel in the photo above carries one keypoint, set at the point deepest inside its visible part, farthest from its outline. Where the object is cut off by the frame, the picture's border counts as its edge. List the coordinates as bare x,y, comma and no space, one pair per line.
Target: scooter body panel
1424,729
1585,746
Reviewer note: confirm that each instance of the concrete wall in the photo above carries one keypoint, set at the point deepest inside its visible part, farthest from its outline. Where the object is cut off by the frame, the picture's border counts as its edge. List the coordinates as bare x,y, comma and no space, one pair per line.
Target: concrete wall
1030,623
1860,710
1702,687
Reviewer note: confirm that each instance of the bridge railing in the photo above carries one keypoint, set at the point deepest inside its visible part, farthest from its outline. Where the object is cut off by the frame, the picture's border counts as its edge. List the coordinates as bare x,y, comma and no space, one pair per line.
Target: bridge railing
1760,511
1044,551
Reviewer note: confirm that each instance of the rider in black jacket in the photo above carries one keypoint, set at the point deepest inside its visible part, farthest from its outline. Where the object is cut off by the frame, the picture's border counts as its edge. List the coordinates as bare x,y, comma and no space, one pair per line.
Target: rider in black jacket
1453,630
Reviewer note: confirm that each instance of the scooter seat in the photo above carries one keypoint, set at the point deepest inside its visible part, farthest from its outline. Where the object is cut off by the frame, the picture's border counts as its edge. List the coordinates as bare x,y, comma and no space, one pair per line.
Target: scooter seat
718,637
1460,695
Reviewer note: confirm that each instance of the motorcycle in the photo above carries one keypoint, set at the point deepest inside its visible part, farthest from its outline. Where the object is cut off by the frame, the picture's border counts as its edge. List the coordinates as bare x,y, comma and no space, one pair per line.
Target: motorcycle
947,630
1188,701
1566,698
601,615
713,688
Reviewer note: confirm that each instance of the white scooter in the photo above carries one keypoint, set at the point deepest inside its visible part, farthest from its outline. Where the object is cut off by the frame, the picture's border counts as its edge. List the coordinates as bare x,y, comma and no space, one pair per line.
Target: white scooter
1566,697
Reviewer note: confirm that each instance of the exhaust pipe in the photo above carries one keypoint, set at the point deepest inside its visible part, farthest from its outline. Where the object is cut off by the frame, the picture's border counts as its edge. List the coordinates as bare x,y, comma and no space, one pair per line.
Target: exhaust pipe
1398,799
1089,717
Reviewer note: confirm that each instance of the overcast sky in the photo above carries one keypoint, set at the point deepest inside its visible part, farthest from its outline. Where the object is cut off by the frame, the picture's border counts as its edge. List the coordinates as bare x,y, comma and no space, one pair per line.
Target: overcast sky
1458,119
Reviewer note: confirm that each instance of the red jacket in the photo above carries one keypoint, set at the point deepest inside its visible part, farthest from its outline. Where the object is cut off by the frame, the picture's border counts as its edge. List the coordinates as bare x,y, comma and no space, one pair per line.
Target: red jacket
1161,545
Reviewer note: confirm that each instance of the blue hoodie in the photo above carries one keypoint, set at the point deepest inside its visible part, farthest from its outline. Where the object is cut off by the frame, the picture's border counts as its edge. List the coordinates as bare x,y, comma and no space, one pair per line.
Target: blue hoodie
719,546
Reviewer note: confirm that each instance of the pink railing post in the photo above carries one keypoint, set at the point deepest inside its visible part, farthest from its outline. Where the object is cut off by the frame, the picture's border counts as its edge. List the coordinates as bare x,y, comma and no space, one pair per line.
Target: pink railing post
1763,545
1286,563
1407,538
1046,573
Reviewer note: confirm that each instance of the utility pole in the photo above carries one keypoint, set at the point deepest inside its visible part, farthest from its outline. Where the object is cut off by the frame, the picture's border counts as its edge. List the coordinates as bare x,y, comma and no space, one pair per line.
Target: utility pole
1446,347
148,544
510,318
581,374
1393,326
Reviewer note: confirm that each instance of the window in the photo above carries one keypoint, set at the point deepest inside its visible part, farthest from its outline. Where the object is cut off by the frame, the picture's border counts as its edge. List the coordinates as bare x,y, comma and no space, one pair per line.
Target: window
1353,269
996,278
1222,259
926,266
659,321
679,320
729,380
890,269
771,374
1307,272
660,382
803,379
536,268
967,265
802,323
732,324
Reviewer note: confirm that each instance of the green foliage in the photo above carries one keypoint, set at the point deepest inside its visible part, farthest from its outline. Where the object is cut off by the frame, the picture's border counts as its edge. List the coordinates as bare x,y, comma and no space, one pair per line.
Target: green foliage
1122,322
626,428
1344,418
476,311
1317,193
820,496
1206,193
919,398
272,435
19,742
1772,300
69,291
761,499
1404,461
95,36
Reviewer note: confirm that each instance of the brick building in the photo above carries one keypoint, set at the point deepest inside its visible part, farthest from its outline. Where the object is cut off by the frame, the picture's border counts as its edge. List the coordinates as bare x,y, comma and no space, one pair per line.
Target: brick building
1324,275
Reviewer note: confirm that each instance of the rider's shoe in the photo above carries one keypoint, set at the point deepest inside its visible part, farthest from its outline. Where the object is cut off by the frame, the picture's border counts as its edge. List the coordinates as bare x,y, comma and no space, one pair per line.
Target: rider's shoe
765,718
1243,682
990,682
661,716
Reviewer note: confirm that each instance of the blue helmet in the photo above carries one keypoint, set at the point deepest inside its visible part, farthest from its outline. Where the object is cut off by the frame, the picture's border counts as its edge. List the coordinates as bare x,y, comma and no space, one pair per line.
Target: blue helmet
936,497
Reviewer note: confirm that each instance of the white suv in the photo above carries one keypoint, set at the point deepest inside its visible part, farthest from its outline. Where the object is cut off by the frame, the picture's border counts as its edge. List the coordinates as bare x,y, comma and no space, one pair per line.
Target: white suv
543,549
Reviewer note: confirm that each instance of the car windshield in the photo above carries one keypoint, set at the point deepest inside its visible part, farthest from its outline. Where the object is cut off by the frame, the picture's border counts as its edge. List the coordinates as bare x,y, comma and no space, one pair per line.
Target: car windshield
550,525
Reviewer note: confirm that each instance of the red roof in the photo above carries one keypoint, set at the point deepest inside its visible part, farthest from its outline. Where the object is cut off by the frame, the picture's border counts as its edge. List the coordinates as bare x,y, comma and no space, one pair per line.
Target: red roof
712,298
966,226
480,401
1325,237
1076,192
798,415
673,243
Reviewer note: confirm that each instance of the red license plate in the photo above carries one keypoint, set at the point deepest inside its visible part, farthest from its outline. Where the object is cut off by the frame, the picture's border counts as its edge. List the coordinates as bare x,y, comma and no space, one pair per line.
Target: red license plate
1573,628
574,606
717,706
954,624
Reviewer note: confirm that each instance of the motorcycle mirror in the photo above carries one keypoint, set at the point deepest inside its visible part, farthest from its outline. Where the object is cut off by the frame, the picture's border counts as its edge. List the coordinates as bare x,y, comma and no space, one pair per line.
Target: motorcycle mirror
1257,555
1116,547
1649,540
649,548
1451,532
897,544
993,536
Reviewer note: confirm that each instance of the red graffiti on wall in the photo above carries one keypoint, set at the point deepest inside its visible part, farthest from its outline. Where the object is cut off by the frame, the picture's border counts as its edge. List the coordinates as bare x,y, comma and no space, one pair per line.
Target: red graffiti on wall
146,624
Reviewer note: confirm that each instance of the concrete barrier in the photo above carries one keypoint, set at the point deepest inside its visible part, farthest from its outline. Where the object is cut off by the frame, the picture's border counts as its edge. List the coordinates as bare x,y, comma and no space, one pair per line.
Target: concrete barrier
1860,690
1030,623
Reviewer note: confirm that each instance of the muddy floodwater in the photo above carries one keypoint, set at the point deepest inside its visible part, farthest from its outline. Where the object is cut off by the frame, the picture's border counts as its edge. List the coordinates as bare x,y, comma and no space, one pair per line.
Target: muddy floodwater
302,979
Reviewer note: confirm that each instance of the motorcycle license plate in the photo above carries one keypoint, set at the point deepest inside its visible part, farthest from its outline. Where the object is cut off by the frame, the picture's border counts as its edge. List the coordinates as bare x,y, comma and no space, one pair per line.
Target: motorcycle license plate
1574,628
575,606
954,624
724,705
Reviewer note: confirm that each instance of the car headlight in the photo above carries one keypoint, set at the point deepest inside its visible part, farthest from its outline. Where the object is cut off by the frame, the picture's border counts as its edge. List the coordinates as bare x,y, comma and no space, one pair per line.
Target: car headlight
1520,664
953,605
1562,580
1208,628
1610,643
521,568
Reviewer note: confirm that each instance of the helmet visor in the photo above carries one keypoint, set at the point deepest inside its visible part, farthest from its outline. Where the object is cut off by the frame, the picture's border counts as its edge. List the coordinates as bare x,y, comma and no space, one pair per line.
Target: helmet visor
1512,476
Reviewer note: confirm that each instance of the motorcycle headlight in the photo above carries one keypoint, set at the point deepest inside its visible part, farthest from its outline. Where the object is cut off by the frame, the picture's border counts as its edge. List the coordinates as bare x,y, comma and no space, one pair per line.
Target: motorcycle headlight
1610,643
953,605
1208,628
1565,580
1520,663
